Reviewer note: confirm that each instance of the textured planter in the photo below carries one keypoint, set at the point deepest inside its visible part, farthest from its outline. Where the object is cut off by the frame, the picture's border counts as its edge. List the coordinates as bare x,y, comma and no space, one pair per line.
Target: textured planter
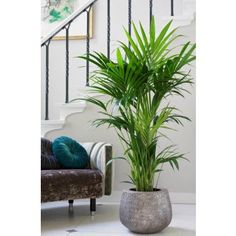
145,212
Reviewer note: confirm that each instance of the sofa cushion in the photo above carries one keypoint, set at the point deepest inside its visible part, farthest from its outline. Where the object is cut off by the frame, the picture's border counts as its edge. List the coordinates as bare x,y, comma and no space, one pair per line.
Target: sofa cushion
46,146
70,153
48,161
70,184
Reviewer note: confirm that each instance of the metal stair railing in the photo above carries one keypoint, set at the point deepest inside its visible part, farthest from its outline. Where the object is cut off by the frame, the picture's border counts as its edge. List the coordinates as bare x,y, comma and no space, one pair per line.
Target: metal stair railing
65,25
45,42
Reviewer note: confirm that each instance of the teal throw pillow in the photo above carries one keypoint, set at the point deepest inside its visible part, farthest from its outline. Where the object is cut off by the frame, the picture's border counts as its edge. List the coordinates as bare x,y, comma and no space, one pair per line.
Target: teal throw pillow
69,153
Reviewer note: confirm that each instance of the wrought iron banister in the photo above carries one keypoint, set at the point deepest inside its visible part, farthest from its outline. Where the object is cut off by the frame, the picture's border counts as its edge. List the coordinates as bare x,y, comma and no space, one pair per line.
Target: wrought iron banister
108,28
67,62
65,25
47,80
88,43
129,18
172,7
150,11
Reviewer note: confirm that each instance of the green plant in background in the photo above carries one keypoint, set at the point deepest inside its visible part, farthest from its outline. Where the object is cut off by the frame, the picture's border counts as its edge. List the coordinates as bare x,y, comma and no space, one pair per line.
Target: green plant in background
136,83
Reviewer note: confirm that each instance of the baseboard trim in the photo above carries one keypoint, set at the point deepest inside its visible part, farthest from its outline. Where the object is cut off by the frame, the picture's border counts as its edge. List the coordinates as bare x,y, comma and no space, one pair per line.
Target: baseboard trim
183,198
176,198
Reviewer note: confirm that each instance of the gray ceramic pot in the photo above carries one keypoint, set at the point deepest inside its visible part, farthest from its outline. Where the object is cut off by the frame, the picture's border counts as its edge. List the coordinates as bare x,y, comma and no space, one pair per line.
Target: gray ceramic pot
145,212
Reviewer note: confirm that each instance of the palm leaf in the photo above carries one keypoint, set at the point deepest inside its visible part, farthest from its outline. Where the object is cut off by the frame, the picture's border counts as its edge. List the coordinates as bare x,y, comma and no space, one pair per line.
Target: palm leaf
136,83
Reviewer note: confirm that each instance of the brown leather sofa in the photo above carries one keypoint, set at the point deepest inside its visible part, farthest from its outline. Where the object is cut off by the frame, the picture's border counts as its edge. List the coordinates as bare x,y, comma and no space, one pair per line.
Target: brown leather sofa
69,184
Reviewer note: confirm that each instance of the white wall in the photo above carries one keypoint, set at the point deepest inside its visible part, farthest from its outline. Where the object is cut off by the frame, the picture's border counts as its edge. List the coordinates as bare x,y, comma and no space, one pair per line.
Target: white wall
79,127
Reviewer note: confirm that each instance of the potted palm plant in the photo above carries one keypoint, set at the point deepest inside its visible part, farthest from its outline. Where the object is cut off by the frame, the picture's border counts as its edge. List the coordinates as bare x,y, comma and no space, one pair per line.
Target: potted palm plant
145,73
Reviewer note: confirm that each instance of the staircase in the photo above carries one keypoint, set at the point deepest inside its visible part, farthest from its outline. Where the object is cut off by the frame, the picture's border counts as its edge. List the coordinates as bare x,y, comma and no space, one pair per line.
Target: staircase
64,79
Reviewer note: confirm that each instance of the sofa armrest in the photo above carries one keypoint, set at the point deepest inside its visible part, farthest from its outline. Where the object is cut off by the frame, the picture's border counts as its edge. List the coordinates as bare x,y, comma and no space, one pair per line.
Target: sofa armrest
100,153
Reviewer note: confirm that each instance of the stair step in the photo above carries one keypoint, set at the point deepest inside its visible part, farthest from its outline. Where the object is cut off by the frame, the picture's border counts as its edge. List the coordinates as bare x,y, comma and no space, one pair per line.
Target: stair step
178,20
87,92
49,125
66,109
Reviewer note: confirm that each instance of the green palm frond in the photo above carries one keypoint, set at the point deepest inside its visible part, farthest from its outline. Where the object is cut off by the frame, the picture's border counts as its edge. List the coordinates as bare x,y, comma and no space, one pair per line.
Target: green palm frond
135,84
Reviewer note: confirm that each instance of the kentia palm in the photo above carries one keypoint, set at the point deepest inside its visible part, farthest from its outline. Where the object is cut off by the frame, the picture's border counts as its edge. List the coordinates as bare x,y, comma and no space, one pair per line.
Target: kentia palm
136,83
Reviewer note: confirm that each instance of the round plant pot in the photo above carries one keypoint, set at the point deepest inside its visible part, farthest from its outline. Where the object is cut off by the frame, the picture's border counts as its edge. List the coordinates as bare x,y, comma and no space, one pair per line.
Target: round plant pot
145,212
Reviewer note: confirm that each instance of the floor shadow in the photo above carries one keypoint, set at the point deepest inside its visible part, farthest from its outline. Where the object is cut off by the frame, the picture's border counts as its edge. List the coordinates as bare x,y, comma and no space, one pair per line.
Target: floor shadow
170,231
106,217
175,231
60,217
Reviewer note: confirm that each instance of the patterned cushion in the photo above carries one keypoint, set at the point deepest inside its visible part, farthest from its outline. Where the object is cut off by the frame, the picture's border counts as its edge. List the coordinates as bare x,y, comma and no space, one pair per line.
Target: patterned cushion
48,161
70,153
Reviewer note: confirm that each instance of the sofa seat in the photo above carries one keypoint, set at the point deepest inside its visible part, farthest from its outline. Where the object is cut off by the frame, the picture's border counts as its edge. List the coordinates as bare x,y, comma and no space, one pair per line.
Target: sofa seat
64,184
